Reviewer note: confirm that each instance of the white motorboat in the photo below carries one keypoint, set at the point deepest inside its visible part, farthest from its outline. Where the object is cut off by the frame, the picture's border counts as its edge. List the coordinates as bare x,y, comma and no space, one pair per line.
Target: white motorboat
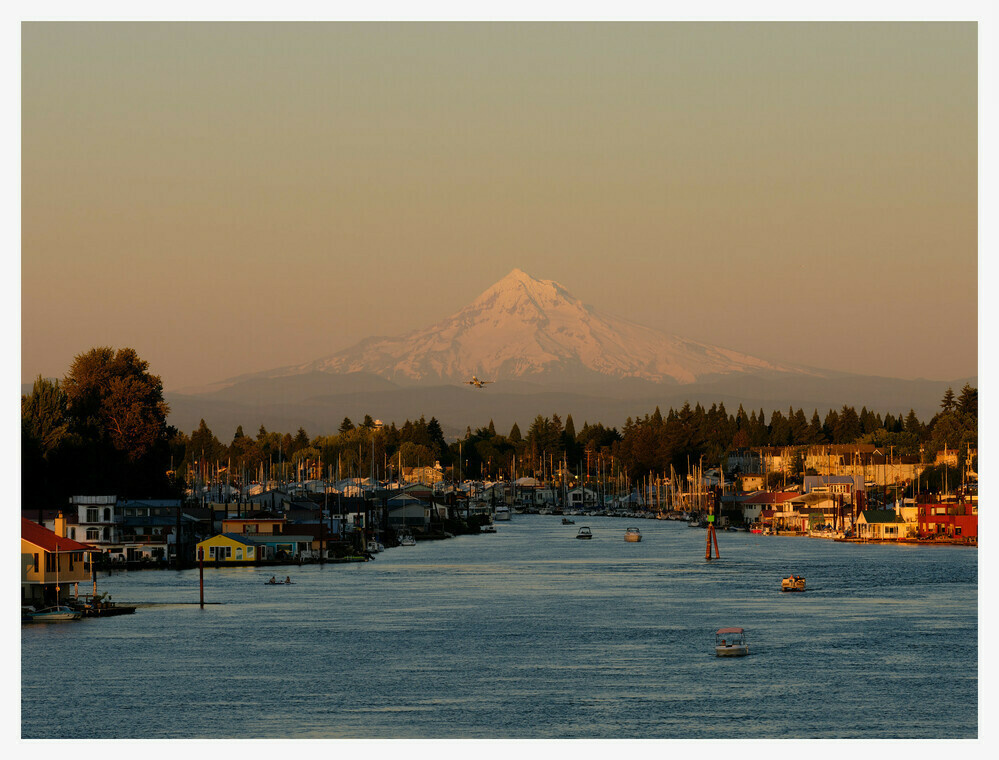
584,532
502,513
407,540
731,642
375,546
633,535
54,615
487,528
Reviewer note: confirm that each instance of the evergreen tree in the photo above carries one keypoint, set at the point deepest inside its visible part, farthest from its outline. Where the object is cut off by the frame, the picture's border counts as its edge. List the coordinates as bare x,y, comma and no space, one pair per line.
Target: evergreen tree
848,427
515,436
346,426
948,403
815,434
239,433
968,401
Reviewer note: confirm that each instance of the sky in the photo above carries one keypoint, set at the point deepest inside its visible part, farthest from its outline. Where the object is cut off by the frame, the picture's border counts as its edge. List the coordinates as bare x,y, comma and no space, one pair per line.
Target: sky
229,198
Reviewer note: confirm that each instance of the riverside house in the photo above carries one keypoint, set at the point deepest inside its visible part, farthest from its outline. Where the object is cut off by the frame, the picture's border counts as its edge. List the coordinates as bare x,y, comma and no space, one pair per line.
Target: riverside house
881,525
52,566
231,548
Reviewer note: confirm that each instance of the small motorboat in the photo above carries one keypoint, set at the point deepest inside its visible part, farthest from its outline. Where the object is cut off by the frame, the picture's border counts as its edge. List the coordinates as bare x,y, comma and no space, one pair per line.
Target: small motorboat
374,547
792,583
584,532
487,528
731,642
407,540
567,521
633,535
57,614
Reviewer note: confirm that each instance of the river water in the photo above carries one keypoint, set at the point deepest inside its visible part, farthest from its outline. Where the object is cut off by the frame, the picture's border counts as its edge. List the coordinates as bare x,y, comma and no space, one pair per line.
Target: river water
528,633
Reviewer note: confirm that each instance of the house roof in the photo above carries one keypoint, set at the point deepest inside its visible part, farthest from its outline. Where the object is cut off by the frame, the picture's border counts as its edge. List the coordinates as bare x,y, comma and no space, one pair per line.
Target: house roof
880,516
49,541
405,500
264,518
239,539
765,497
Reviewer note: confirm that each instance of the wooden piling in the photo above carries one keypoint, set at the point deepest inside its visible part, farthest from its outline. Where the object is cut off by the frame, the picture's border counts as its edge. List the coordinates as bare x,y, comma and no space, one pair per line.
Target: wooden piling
201,574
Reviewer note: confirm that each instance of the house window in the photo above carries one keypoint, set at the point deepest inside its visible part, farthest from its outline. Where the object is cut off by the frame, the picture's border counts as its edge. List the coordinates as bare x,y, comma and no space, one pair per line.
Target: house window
239,552
72,533
93,515
249,552
35,568
107,515
93,534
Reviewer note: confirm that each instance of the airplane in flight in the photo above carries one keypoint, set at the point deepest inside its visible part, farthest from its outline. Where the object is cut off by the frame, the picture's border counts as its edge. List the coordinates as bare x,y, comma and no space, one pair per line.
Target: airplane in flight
478,383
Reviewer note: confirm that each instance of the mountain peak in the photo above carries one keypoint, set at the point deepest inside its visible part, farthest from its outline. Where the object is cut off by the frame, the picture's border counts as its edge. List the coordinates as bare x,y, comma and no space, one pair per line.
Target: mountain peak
525,328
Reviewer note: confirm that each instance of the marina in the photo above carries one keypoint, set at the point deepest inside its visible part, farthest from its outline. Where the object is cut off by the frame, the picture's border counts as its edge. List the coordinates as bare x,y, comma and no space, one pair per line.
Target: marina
526,635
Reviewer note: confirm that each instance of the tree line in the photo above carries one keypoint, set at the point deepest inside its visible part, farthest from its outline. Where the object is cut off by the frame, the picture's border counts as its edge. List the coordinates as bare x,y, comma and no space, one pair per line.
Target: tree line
103,429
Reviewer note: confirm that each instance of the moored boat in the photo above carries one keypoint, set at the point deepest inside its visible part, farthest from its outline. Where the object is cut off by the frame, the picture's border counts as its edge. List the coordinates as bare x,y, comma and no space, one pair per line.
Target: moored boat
584,532
487,528
407,540
57,614
731,642
633,535
792,583
502,513
567,521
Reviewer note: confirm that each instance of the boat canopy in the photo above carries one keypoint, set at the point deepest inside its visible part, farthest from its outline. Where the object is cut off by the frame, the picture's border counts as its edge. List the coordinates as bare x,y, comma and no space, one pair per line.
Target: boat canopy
730,630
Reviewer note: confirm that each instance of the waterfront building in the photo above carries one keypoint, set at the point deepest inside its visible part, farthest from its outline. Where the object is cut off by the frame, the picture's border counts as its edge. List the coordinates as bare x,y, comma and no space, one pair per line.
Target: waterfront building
231,547
262,523
951,519
52,565
133,530
880,525
582,497
407,511
773,509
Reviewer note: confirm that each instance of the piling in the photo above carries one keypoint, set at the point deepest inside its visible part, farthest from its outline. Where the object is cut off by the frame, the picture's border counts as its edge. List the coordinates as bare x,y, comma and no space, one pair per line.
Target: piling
201,574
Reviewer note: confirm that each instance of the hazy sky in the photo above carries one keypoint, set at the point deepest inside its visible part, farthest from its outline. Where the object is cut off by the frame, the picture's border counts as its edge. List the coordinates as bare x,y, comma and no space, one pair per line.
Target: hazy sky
228,198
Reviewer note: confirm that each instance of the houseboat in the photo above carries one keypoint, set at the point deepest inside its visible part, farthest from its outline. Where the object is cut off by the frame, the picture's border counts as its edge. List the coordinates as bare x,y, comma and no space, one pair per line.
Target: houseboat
731,642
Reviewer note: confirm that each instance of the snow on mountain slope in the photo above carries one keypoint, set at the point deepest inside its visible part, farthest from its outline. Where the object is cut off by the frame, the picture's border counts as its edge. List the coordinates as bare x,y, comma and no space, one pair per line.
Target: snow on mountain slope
523,328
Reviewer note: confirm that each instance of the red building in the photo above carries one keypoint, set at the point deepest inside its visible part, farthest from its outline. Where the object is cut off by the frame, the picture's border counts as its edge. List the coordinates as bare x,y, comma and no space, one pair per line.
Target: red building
951,519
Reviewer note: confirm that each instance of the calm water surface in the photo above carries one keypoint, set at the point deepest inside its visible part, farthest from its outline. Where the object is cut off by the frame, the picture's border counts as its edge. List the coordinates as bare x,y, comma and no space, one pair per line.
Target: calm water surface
528,633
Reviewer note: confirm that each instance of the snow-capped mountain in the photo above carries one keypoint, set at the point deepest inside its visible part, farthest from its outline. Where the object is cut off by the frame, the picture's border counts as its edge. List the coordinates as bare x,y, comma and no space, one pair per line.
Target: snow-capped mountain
528,329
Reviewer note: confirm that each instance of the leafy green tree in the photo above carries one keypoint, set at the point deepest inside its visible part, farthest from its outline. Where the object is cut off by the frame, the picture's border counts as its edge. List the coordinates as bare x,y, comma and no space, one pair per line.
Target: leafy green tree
113,394
44,415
